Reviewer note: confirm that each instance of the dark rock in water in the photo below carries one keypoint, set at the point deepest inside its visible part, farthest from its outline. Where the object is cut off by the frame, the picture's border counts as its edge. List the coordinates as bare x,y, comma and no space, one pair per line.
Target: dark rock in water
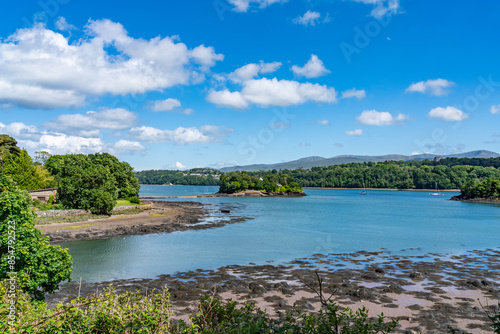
371,275
417,275
477,283
394,288
225,210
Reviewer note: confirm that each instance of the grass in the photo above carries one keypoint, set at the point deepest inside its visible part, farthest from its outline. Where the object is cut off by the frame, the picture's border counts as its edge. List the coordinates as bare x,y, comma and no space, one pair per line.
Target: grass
76,227
160,214
124,202
83,217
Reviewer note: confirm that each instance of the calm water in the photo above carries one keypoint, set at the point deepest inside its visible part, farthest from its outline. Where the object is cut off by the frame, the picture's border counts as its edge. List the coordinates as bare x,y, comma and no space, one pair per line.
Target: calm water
283,229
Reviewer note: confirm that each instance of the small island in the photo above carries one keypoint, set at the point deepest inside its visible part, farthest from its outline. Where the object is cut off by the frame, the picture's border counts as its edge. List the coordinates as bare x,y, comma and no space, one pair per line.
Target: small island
486,191
242,184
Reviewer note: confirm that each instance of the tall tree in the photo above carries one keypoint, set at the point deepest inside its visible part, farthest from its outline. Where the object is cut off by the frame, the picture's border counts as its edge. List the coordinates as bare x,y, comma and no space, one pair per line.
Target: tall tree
8,147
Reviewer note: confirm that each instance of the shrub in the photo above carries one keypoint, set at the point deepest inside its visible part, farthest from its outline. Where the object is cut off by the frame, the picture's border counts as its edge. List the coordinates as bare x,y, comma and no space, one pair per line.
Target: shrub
106,312
51,199
134,200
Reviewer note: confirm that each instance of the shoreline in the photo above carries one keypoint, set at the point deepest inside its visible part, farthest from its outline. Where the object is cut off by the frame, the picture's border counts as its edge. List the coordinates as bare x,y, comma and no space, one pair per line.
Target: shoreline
427,292
162,217
386,189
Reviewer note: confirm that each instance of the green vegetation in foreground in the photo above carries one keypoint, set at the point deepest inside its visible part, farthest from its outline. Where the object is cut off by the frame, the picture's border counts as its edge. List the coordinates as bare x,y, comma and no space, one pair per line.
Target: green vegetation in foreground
234,182
130,312
488,189
37,265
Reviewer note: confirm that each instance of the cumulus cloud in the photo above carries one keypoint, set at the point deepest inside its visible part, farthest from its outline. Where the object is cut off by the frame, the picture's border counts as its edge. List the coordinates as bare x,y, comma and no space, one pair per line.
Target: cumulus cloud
243,6
448,114
40,68
311,19
495,109
165,105
251,71
312,69
323,122
181,136
273,92
20,131
373,117
357,132
127,145
62,25
382,7
353,93
90,123
437,87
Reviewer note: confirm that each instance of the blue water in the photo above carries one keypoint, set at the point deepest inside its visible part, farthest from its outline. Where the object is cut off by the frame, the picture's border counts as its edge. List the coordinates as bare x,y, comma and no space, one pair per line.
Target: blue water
283,229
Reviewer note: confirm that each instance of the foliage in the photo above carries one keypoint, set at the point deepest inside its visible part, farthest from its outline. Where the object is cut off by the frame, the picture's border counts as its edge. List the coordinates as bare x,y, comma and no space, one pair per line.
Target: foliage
42,206
215,316
26,174
489,188
106,312
233,182
449,173
92,182
134,200
8,148
193,177
39,266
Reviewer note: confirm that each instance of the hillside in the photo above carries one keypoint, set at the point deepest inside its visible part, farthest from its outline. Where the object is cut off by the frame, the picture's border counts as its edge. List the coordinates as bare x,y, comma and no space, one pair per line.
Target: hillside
315,161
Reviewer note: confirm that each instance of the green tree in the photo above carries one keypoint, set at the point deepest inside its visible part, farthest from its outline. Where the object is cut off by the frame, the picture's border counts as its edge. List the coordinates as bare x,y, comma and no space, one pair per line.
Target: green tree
39,266
8,147
86,185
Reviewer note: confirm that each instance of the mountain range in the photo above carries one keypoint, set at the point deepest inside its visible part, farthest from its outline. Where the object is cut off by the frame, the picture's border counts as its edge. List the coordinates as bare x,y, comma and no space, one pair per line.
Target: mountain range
316,161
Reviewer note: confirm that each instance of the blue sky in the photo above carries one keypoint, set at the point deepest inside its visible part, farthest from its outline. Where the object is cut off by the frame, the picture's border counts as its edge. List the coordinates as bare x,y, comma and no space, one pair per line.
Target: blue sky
183,84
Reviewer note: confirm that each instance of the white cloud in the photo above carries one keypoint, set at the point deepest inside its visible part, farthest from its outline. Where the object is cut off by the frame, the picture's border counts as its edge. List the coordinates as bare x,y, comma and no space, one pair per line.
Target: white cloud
323,122
373,117
225,98
309,18
20,131
65,144
273,92
181,136
448,114
350,93
127,145
250,71
495,109
437,87
312,69
382,7
357,132
62,25
40,68
304,144
242,6
165,105
179,165
90,123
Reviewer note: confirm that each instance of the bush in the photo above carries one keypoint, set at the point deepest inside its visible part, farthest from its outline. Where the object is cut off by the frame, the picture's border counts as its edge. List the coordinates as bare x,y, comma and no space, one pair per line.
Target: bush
106,312
216,317
134,200
51,199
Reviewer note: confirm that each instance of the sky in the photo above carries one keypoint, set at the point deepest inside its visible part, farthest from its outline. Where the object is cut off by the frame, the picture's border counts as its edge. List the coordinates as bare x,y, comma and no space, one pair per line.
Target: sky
215,83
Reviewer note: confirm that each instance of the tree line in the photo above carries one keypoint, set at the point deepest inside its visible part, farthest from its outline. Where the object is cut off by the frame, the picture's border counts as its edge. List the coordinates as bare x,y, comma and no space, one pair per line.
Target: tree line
91,182
192,177
237,181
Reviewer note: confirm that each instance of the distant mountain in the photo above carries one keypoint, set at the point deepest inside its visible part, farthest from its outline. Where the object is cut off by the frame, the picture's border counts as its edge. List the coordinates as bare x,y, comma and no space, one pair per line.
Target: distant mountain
315,161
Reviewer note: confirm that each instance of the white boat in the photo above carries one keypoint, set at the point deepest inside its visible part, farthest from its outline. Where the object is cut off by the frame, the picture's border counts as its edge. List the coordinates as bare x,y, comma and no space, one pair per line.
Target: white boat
436,193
